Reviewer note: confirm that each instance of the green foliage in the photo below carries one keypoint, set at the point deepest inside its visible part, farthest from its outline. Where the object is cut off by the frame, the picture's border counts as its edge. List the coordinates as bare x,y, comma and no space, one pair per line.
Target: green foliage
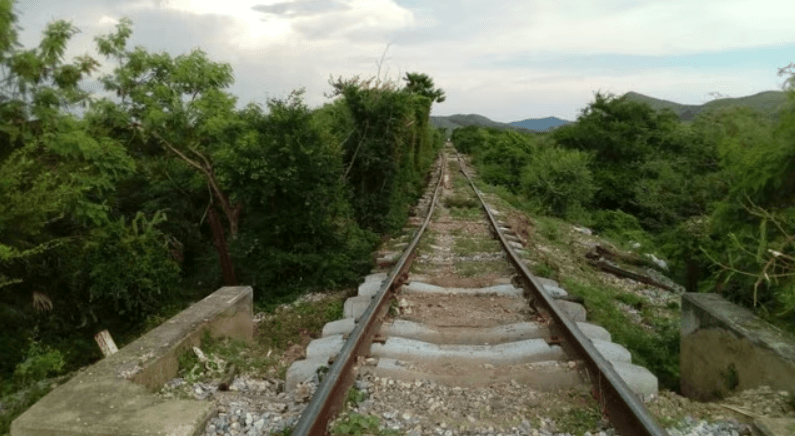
289,323
355,396
299,230
422,84
642,159
83,236
616,224
388,153
355,424
559,180
15,404
147,280
40,362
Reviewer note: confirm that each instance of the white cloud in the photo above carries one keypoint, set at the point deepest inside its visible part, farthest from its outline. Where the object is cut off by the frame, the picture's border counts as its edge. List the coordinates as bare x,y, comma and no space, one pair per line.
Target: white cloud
508,59
107,21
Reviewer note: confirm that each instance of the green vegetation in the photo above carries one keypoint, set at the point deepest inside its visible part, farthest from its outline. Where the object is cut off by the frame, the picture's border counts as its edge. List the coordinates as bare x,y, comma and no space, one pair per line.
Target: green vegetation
468,245
117,212
713,196
582,415
355,424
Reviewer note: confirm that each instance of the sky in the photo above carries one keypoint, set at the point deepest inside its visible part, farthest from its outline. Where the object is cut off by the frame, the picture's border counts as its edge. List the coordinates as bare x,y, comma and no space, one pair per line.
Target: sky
505,59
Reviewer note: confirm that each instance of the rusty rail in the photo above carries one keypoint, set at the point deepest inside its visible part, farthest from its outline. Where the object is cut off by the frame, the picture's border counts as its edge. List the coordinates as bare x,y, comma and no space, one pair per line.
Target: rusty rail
330,395
626,413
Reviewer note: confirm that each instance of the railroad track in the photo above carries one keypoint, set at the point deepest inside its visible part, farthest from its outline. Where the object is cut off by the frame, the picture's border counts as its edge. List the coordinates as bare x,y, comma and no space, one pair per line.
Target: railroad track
458,337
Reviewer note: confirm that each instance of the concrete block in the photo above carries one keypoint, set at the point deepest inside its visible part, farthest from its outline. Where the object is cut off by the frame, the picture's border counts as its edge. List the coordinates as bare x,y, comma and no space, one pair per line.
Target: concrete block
546,282
354,307
775,426
576,312
555,292
114,396
424,288
612,352
324,348
339,327
726,348
594,331
377,277
532,350
369,289
301,371
642,382
463,335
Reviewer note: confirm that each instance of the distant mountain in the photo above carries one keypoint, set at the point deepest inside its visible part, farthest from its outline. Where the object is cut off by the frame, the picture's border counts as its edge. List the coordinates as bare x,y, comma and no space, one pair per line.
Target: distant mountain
540,124
453,122
767,102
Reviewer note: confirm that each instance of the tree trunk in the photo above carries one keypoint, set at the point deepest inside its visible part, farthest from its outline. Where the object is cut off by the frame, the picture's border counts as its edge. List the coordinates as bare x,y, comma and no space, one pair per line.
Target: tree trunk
227,268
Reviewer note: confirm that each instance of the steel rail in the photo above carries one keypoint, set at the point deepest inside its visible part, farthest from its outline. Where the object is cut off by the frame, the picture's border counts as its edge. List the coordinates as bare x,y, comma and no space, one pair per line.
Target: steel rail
626,413
330,395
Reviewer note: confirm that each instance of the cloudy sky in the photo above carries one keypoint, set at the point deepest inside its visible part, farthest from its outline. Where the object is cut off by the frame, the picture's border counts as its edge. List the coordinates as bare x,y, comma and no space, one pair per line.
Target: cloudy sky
505,59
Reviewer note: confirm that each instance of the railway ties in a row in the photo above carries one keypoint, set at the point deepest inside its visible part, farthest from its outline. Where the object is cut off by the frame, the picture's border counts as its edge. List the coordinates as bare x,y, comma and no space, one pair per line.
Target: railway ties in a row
466,351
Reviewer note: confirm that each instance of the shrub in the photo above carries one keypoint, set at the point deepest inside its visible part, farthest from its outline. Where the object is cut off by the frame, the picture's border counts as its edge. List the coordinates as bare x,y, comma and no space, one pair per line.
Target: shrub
559,180
126,272
41,362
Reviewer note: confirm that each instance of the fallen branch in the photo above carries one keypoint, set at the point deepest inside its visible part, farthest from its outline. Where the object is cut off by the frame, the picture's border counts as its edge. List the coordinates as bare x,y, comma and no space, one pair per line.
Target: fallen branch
612,269
625,258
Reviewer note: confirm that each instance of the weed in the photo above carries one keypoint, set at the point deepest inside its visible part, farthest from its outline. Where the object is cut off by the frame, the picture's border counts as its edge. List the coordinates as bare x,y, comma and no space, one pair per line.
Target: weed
321,372
292,324
355,396
355,424
427,240
465,214
461,201
543,269
465,245
14,404
549,228
631,299
472,269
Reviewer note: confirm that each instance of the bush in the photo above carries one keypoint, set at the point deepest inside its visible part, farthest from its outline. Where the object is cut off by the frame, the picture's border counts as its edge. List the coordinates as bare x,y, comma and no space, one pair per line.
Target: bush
388,152
41,362
559,180
619,225
126,272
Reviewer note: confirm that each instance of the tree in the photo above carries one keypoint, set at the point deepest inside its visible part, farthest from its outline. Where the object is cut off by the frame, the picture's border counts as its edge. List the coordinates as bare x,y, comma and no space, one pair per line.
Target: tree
178,104
422,84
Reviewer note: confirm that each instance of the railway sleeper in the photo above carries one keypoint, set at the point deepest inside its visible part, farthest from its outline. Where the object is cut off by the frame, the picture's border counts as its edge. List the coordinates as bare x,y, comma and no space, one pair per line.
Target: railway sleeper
410,343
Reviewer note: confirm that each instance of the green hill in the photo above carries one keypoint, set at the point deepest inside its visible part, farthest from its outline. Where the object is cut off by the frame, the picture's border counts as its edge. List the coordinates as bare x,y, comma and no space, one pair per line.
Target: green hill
767,102
453,122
